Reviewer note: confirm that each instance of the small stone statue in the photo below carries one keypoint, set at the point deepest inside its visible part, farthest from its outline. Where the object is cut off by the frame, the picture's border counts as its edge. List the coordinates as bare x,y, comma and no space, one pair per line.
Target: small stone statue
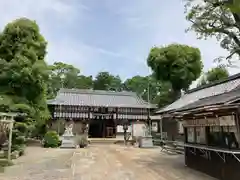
68,130
86,129
68,138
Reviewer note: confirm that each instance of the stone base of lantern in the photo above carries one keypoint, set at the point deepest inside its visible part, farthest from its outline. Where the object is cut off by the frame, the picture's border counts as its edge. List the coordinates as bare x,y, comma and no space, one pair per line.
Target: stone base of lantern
146,142
68,142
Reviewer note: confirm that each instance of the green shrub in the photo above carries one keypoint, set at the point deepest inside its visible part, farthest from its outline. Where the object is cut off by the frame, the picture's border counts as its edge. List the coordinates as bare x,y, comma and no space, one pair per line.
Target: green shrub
21,127
19,148
38,131
22,150
15,155
51,139
15,133
16,147
60,143
5,162
19,140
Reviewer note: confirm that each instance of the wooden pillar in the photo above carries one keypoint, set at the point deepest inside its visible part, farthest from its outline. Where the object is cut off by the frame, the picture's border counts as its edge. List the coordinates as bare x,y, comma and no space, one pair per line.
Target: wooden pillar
161,128
104,126
237,122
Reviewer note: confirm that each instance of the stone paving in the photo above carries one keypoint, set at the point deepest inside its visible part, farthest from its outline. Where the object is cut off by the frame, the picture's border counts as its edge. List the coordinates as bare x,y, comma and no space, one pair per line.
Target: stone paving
100,162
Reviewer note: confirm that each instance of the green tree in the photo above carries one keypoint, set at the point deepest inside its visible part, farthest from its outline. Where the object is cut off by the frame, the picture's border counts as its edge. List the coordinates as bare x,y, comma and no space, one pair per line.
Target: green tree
214,74
138,84
23,77
24,72
177,64
217,73
84,82
106,81
213,19
166,95
159,92
233,5
62,75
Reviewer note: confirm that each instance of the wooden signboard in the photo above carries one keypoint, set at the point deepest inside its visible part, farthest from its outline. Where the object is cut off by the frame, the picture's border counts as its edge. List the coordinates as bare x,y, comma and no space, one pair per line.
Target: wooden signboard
220,121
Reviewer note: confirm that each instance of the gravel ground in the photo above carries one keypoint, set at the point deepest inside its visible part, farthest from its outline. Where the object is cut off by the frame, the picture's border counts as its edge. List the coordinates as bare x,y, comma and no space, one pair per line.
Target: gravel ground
100,162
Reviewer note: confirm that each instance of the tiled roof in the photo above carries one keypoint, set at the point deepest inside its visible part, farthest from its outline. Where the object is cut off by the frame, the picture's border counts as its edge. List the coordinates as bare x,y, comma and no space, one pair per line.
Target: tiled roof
214,100
203,92
88,97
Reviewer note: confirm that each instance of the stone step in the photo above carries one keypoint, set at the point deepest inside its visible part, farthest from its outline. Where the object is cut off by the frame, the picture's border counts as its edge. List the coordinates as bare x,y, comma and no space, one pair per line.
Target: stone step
102,140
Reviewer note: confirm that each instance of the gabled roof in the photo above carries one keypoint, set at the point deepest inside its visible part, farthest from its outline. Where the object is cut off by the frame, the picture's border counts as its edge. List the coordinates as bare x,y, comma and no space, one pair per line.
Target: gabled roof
225,98
209,90
87,97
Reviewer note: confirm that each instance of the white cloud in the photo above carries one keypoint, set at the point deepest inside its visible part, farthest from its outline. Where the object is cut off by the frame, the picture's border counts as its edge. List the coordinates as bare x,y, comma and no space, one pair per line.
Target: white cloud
43,11
163,22
52,16
151,22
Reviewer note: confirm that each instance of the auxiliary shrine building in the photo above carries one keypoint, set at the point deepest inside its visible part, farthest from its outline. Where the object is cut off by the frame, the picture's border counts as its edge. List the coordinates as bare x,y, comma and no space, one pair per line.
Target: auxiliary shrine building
104,112
209,119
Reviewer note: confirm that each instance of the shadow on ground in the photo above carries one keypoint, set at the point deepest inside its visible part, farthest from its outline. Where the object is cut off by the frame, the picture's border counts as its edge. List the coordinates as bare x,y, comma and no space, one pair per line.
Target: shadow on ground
171,167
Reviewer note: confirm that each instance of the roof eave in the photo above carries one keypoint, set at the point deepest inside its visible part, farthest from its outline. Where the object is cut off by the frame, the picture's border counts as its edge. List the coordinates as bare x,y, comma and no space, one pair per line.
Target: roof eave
212,108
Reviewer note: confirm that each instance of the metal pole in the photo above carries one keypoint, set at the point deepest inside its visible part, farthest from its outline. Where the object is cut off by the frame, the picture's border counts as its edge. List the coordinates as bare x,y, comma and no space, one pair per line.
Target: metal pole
60,106
150,122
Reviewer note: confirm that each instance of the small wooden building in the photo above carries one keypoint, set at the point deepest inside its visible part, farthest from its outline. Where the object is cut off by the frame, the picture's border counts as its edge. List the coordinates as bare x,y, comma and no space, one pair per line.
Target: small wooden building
212,135
104,112
171,126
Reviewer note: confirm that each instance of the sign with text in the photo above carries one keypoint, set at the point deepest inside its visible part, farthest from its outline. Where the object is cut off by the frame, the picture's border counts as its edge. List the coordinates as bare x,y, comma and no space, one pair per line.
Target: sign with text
218,121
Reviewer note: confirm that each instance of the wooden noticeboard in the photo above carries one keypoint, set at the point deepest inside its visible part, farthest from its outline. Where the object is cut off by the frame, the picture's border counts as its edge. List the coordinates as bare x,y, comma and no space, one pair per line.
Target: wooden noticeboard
218,121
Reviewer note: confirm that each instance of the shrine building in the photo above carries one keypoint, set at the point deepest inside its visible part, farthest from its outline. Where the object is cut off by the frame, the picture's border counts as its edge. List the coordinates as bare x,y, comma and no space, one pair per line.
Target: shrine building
104,112
209,118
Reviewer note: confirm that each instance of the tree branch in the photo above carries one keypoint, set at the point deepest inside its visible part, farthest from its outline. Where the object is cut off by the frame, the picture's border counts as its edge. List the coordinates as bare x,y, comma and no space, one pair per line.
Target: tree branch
230,34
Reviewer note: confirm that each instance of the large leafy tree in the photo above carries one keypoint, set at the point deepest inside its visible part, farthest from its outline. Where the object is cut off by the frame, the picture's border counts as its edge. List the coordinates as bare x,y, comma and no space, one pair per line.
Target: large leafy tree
177,64
143,85
23,72
62,75
84,82
159,92
233,5
213,75
138,84
106,81
217,73
213,18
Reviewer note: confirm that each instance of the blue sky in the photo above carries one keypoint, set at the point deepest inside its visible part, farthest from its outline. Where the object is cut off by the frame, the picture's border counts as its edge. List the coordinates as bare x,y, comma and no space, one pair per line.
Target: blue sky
109,35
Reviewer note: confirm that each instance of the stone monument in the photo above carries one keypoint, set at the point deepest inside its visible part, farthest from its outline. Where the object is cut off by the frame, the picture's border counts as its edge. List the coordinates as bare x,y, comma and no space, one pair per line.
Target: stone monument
68,138
146,140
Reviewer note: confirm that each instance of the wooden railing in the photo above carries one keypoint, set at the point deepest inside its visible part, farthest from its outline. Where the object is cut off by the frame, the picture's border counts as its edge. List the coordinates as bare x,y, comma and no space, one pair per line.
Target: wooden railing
170,146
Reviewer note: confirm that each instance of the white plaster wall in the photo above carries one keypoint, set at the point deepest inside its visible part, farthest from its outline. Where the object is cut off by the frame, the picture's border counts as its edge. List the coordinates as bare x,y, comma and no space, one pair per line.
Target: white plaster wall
180,128
120,131
139,129
120,128
136,129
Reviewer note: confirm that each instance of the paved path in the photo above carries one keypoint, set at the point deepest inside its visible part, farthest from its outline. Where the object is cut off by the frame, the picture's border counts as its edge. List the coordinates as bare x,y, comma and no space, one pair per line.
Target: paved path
100,162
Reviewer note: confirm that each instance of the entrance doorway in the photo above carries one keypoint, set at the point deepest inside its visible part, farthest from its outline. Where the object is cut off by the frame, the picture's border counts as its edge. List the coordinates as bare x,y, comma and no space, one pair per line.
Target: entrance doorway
110,128
95,128
100,127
